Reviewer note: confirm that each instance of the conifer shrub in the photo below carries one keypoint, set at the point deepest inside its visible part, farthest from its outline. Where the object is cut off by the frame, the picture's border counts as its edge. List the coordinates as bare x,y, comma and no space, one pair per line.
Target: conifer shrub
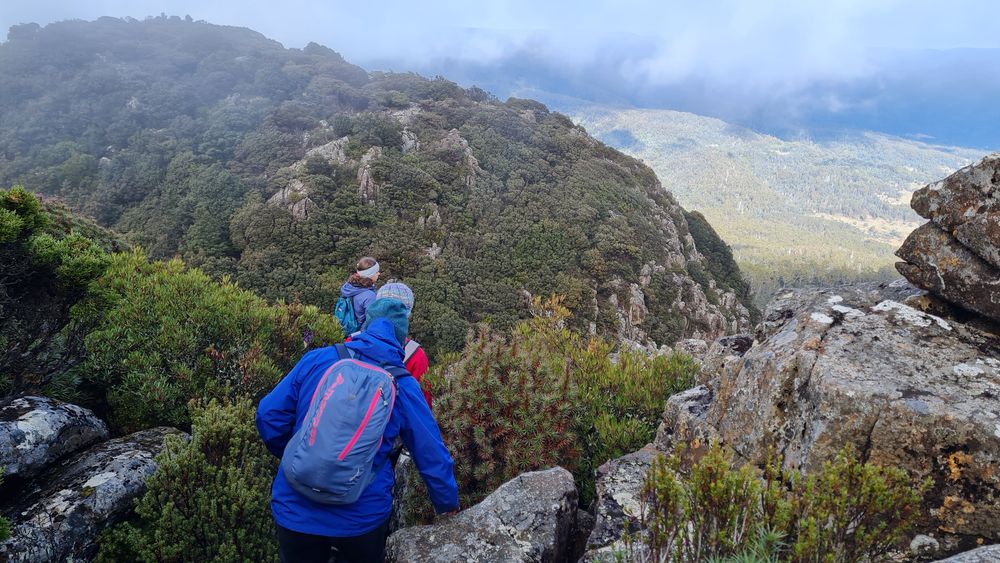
544,396
159,334
848,511
509,407
209,498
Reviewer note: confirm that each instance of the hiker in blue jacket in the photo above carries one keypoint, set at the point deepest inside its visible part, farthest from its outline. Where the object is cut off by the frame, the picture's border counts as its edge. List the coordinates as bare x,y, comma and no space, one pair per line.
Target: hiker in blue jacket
360,290
307,529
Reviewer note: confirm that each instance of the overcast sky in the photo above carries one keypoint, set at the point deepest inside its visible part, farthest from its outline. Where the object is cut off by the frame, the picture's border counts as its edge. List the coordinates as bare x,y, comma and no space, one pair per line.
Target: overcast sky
776,43
744,53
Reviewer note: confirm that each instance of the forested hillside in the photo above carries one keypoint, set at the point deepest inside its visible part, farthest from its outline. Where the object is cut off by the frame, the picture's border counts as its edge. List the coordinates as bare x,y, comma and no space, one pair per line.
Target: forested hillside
796,212
279,167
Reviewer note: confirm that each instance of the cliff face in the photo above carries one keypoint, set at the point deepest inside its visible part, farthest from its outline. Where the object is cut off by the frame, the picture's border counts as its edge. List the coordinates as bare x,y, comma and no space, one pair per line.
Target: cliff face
279,167
907,376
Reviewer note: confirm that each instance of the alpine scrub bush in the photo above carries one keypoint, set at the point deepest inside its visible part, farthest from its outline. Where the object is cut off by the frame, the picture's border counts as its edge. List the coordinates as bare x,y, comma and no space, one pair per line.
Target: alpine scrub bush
208,500
509,407
159,334
545,396
45,267
847,512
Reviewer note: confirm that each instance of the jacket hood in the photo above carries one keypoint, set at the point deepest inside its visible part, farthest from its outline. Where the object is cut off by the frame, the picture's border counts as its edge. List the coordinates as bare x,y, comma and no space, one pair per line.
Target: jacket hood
348,290
378,343
394,311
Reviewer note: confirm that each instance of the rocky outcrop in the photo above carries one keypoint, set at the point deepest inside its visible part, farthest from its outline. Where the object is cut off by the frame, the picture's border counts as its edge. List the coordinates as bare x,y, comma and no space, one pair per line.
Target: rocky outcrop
295,198
410,142
368,188
957,254
939,263
987,554
967,205
685,420
454,142
36,431
619,486
59,517
528,519
858,366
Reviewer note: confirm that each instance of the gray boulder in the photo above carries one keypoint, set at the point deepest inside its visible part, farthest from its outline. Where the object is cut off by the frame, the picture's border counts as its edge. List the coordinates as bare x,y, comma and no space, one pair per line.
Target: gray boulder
35,431
937,262
987,554
967,206
60,517
852,366
685,419
619,487
528,519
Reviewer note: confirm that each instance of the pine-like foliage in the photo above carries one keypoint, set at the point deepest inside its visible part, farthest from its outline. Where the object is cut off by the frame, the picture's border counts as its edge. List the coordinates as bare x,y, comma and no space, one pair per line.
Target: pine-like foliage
546,396
208,500
510,408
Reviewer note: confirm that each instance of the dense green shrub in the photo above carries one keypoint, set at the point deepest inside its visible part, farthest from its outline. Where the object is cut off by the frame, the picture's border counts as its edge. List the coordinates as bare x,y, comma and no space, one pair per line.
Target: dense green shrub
159,334
45,267
849,511
208,500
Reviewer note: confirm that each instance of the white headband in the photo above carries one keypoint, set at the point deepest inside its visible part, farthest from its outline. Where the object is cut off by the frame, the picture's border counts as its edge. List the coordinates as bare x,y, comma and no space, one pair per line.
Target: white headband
369,272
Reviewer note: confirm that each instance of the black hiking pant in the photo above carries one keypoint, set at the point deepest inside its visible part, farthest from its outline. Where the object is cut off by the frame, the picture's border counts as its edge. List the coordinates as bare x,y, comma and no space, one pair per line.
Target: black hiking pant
296,547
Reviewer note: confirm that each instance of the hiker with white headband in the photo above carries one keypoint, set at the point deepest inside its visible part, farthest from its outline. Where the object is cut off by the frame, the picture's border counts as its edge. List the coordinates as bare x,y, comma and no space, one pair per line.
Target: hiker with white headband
356,294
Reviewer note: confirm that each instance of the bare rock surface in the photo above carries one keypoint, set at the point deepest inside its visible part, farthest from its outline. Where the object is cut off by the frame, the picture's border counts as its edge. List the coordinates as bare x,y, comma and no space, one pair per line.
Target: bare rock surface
857,366
368,188
60,516
528,519
967,206
619,487
987,554
36,431
937,262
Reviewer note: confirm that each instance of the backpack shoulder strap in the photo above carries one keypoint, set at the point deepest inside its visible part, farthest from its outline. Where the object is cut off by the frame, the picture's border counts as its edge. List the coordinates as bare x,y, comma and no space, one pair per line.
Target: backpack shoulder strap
343,351
397,372
411,348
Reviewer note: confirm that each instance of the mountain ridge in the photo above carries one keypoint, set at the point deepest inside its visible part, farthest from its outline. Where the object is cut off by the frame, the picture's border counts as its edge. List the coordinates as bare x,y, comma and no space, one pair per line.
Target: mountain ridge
278,167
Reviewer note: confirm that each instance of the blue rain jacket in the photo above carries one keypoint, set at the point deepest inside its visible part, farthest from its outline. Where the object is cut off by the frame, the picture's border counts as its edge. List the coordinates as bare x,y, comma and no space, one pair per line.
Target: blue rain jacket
281,412
361,298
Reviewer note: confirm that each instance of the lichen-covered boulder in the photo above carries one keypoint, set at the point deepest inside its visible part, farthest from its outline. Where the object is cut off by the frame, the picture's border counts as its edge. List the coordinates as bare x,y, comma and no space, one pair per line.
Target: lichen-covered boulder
36,431
685,418
854,366
937,262
619,487
528,519
967,206
60,516
987,554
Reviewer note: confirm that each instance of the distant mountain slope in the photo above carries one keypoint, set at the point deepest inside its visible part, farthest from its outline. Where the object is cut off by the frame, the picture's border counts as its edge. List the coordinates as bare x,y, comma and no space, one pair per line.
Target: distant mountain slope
795,212
279,167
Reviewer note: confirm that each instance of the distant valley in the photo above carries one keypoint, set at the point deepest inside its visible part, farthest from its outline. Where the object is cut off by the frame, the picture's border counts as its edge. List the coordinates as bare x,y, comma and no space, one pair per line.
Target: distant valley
795,212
